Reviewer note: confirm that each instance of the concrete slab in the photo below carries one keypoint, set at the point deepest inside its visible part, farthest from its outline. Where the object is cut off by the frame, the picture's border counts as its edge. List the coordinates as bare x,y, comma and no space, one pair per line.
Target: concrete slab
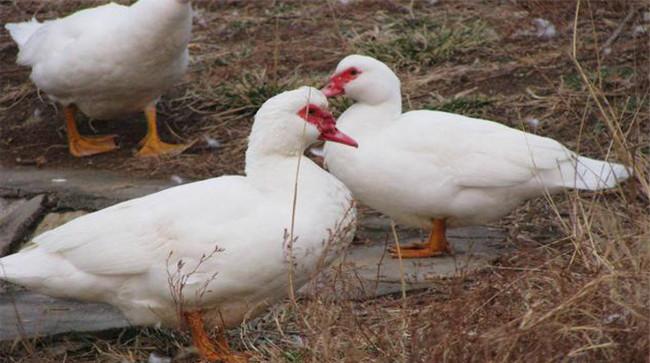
368,271
77,189
25,315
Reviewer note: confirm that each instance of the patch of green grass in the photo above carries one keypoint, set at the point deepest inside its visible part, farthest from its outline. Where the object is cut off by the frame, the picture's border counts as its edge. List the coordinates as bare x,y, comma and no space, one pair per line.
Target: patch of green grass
606,74
293,357
474,106
252,89
424,41
339,104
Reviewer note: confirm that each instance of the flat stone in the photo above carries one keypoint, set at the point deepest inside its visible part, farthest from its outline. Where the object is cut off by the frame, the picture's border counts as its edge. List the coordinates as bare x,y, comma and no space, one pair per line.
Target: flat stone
77,189
369,271
26,315
53,220
16,219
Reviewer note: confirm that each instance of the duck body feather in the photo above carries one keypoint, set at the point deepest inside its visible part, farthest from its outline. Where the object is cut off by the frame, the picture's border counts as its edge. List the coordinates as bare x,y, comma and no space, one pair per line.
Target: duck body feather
109,60
428,164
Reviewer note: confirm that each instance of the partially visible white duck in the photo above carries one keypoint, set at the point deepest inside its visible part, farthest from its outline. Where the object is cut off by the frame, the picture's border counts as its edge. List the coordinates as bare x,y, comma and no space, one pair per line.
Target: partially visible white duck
124,255
433,169
109,61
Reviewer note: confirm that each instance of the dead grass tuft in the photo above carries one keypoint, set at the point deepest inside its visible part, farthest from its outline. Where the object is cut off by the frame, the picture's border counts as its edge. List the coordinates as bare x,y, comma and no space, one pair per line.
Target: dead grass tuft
423,41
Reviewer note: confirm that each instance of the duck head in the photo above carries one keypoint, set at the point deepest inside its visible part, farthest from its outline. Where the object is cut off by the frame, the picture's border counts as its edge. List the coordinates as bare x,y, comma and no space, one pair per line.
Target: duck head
293,120
363,79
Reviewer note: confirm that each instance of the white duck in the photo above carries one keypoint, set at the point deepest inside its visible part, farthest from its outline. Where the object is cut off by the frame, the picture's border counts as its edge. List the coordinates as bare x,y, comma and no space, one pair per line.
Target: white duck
109,61
431,169
126,255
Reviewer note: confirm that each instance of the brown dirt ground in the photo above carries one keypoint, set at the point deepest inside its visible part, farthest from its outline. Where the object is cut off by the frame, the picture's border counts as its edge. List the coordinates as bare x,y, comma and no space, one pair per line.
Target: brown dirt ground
577,290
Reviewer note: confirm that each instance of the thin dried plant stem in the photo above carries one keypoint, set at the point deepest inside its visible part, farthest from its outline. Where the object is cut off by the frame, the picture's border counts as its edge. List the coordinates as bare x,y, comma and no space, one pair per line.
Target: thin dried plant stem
401,263
607,112
294,203
402,279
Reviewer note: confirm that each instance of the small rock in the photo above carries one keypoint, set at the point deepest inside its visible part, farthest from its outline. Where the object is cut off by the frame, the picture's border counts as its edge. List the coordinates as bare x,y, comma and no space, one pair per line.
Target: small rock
157,358
612,318
211,142
545,29
646,16
533,122
639,30
176,179
35,118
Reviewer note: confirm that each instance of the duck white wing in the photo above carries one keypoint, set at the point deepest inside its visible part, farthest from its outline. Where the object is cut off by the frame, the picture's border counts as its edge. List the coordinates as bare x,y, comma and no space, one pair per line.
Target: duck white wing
485,154
130,237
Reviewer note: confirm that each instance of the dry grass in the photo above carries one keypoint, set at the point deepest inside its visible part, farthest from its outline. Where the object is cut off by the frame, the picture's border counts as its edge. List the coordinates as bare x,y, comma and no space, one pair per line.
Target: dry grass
577,290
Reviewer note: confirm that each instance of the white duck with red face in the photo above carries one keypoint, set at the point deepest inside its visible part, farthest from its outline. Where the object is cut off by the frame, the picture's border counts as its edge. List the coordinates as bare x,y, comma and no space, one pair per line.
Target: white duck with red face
124,255
432,169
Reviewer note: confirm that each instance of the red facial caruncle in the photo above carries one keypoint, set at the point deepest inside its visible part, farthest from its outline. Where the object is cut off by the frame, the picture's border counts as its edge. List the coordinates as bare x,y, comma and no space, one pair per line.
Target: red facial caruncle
326,125
336,85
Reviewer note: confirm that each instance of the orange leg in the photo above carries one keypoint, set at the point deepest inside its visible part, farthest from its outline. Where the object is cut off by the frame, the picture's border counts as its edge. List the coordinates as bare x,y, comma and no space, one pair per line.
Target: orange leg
85,146
151,144
435,246
217,352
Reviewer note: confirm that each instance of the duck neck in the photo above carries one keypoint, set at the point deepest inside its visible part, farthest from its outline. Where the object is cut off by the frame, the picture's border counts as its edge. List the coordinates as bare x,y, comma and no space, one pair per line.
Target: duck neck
392,105
267,152
365,117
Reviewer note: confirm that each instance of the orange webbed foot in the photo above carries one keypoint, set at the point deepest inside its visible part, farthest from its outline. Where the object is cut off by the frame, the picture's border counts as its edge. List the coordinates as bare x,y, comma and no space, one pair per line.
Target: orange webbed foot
155,147
418,250
91,145
152,146
436,245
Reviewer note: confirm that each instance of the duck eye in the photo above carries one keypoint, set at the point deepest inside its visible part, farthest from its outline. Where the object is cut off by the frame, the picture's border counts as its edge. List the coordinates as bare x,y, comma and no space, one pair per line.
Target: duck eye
312,111
354,72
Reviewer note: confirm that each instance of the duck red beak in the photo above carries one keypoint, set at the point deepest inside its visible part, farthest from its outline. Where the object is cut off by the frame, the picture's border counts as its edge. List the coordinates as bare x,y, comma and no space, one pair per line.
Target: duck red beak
334,88
329,132
336,84
326,125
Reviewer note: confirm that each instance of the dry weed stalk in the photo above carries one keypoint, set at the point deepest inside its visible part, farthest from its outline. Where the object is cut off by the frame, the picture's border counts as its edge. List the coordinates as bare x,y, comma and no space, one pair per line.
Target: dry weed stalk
177,280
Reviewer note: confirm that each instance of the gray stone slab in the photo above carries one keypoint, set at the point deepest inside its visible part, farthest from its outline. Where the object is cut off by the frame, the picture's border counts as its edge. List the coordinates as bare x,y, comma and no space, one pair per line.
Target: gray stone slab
16,219
53,220
77,189
26,315
369,271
